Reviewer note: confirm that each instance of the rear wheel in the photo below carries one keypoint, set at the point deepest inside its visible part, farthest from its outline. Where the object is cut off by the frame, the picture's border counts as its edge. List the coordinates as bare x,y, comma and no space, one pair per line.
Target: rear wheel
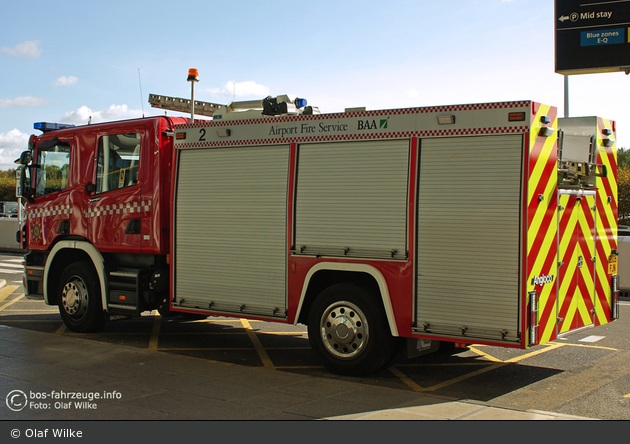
348,328
80,298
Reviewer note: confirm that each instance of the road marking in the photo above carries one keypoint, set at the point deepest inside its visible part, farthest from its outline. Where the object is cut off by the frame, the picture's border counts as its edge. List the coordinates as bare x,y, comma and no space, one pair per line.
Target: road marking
404,378
61,329
484,354
627,396
599,347
5,292
262,353
549,346
417,388
592,338
155,332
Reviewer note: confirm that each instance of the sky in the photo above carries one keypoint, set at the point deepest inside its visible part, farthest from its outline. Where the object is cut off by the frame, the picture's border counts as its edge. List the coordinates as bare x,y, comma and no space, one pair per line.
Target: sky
69,61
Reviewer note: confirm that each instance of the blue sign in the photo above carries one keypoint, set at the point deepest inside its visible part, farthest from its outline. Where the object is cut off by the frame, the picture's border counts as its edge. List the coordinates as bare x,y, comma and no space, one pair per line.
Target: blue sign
602,37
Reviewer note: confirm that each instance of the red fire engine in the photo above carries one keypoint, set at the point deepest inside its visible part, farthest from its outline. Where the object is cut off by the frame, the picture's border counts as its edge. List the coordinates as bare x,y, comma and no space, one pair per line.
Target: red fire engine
477,223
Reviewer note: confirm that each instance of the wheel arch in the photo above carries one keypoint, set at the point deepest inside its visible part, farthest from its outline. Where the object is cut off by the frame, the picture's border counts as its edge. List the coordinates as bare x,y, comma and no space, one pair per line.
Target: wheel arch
325,274
65,252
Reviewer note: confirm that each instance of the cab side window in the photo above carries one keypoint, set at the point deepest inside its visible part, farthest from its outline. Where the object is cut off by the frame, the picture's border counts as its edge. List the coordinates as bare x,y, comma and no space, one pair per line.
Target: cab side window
118,161
54,162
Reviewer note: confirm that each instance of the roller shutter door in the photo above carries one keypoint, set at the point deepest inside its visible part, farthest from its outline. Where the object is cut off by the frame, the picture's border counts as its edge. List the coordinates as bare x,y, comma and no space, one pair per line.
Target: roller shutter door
230,240
352,199
468,236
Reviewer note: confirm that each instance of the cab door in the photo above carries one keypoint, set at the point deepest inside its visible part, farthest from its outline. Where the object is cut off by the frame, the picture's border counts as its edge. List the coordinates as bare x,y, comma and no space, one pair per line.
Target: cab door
115,207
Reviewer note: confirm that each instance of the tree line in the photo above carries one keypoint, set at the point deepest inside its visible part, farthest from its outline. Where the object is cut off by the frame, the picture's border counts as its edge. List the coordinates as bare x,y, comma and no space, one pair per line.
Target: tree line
7,186
623,183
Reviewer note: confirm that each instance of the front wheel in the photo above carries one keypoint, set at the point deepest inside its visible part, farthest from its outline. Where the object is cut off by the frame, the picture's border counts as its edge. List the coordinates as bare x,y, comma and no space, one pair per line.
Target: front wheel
80,298
348,328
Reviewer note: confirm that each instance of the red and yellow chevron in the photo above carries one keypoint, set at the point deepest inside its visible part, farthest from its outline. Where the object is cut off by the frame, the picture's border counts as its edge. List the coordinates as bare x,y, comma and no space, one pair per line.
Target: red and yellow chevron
542,220
576,267
607,213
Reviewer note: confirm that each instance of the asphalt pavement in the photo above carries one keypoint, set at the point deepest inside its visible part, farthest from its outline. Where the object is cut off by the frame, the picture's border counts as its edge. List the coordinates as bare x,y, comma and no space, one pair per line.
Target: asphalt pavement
47,376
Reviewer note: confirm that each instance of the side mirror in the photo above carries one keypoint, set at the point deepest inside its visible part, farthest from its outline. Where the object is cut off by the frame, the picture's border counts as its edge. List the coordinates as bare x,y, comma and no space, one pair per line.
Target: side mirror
23,189
28,189
25,158
90,188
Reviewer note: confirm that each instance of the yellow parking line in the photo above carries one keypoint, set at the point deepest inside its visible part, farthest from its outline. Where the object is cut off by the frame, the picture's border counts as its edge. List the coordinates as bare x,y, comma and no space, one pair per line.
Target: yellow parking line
262,353
446,364
415,387
8,304
591,346
484,354
5,291
404,378
61,329
548,347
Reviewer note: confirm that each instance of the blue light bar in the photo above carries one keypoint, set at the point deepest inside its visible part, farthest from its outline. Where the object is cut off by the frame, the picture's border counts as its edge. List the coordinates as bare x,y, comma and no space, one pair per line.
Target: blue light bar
300,103
48,126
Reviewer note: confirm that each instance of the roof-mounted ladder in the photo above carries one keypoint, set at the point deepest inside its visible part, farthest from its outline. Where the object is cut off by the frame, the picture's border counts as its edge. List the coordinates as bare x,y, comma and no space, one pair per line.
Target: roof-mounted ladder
182,105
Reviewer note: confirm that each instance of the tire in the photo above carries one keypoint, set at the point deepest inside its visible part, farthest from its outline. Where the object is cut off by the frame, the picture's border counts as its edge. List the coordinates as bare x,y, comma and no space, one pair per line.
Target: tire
348,329
80,298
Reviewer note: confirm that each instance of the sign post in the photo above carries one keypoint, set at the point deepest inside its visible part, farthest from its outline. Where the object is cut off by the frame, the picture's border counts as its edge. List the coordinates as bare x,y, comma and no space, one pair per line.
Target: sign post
592,36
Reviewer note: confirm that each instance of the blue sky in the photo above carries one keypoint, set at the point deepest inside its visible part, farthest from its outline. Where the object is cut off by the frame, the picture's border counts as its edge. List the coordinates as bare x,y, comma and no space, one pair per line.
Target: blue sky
64,61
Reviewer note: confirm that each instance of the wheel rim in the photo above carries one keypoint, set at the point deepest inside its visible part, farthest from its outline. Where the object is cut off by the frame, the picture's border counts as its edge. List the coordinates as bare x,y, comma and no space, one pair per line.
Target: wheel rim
74,297
344,330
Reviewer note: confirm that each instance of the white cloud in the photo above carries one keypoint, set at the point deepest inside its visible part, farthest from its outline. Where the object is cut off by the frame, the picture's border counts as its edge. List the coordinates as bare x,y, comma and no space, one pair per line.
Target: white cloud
82,115
12,143
13,139
248,88
20,102
27,50
66,81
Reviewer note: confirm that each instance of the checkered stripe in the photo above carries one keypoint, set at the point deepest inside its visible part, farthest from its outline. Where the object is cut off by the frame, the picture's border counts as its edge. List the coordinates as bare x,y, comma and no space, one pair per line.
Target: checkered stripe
51,210
372,136
124,208
390,112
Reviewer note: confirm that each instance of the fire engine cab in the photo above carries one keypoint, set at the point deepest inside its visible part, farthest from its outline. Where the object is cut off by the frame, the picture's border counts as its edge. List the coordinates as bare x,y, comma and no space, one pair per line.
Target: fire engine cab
491,223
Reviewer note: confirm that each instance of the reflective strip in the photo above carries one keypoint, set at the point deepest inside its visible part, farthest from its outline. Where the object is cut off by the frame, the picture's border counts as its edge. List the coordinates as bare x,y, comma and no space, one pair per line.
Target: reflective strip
52,210
123,208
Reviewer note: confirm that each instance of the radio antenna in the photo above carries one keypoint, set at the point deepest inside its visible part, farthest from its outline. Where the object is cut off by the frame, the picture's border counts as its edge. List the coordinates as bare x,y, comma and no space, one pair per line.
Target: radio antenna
141,95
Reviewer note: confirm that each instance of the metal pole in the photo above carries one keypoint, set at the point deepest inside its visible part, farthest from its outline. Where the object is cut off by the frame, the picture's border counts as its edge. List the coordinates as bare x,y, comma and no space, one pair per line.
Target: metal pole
192,101
193,76
566,96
